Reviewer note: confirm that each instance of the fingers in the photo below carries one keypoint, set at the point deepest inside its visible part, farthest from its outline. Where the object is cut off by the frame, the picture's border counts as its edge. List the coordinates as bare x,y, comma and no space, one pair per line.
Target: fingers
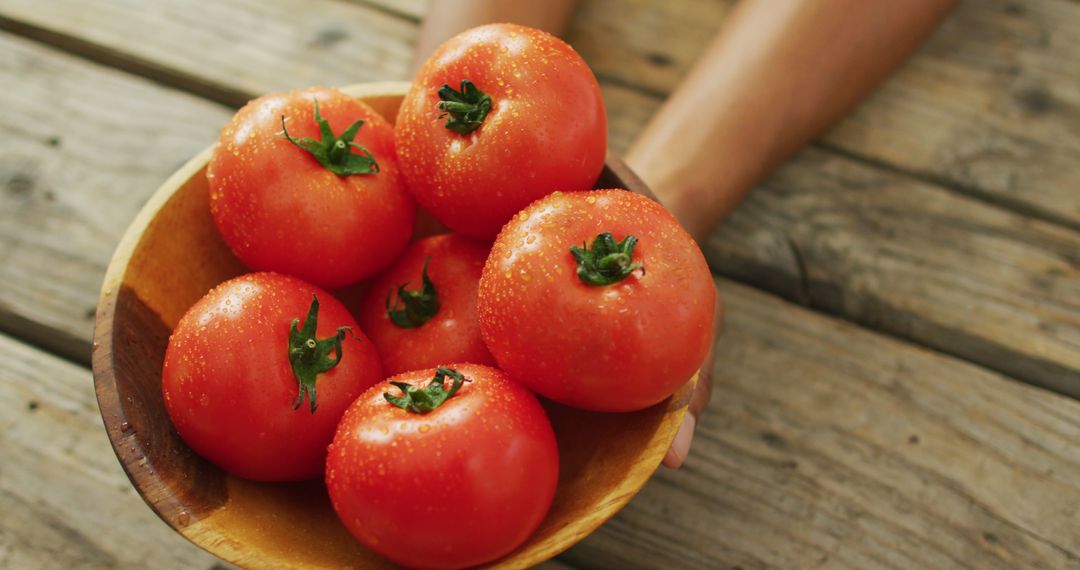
680,447
699,401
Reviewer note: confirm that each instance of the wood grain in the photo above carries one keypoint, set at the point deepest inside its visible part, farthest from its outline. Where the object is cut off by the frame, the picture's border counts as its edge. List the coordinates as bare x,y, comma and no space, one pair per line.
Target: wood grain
912,259
926,251
64,500
83,147
228,51
827,446
68,504
410,9
989,106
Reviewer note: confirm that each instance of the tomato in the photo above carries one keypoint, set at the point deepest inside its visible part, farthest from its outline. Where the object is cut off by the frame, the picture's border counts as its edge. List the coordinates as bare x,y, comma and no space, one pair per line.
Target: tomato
281,209
450,480
422,311
598,300
244,390
497,117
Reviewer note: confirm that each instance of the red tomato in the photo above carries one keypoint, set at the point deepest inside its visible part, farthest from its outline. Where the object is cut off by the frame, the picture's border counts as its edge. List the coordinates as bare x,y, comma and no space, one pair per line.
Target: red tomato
459,485
281,209
229,382
433,321
528,119
620,329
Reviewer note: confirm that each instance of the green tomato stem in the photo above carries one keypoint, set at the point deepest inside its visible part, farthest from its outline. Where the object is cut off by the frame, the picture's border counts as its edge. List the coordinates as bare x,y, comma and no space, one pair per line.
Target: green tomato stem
427,399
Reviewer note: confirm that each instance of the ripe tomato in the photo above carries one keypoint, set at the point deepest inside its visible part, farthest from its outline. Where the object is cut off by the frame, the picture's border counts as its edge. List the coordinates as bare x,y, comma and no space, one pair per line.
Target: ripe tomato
599,300
242,368
422,311
280,208
528,119
459,476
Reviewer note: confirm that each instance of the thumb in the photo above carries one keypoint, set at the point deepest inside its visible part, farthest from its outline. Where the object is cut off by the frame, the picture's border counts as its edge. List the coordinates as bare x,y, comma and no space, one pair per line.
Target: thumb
680,447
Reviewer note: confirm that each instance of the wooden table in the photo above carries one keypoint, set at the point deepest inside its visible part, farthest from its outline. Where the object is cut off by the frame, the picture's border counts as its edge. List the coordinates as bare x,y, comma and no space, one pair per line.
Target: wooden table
898,371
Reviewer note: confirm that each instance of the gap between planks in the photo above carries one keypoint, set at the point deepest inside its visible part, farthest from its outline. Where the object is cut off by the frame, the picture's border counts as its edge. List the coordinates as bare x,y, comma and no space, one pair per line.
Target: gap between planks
130,63
410,12
892,457
182,81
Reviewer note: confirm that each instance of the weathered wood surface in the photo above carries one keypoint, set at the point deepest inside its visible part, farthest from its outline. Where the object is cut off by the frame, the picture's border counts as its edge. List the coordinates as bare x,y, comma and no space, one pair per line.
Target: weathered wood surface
228,51
826,446
990,105
64,500
829,446
845,448
83,148
914,260
825,262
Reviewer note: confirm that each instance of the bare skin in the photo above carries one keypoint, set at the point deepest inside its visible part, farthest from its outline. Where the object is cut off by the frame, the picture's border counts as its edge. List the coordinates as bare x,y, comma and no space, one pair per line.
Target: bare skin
776,75
447,18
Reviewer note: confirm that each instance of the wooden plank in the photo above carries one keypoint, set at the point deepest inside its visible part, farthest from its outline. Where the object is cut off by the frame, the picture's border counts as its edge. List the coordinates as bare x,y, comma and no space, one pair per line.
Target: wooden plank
988,106
903,256
84,146
825,445
991,107
944,270
411,9
229,51
1015,329
64,501
829,446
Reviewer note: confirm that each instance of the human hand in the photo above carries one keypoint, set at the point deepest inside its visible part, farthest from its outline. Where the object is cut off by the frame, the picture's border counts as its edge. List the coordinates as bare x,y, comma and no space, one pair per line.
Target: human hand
699,399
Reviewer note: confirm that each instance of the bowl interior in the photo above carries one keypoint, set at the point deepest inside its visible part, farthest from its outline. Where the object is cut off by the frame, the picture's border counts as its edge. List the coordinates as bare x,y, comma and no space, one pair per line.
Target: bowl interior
171,256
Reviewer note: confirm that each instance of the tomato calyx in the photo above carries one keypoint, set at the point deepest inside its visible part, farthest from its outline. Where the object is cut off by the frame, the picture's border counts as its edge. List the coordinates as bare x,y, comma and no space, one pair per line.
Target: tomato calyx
311,356
419,306
335,152
467,108
424,400
608,261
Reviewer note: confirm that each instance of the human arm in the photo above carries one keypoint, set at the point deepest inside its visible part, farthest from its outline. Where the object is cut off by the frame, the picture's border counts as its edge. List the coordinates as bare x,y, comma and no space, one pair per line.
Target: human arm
447,18
776,75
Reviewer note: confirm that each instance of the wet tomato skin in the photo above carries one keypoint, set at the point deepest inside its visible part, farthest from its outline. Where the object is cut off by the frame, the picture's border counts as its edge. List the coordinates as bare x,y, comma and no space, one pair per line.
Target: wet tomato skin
280,210
618,347
453,333
546,130
459,486
228,384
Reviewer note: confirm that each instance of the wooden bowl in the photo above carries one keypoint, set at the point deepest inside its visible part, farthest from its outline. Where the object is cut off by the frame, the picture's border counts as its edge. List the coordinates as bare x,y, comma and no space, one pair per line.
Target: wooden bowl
170,256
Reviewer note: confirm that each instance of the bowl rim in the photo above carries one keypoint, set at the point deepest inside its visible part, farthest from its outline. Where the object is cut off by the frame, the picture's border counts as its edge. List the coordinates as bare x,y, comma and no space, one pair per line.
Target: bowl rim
103,351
